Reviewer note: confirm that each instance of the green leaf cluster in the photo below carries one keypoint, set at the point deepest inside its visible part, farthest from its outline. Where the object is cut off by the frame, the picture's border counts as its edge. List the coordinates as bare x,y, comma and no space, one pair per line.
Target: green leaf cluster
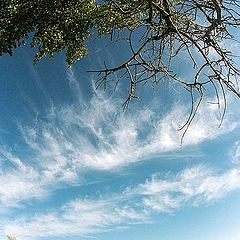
59,25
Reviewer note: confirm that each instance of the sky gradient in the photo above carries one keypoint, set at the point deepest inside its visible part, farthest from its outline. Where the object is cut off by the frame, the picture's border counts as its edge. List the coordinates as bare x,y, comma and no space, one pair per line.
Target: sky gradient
74,165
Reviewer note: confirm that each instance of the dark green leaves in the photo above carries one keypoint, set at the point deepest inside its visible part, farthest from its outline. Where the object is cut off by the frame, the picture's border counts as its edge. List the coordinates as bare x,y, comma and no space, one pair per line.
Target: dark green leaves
59,25
56,25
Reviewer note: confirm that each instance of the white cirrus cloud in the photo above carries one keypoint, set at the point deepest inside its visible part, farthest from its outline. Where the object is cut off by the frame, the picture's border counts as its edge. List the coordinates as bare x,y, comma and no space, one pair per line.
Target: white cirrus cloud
97,135
194,186
79,217
20,182
197,185
235,153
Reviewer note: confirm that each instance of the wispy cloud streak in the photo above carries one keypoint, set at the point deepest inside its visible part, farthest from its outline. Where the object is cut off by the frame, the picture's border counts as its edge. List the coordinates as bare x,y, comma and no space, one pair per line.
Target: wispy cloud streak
195,186
96,135
80,217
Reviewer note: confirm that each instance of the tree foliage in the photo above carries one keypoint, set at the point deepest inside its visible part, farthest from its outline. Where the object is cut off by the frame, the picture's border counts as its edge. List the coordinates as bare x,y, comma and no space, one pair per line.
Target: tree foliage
10,238
157,33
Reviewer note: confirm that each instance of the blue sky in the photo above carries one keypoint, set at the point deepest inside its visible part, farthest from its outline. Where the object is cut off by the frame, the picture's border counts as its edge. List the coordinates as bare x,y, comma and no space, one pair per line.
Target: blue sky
75,166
